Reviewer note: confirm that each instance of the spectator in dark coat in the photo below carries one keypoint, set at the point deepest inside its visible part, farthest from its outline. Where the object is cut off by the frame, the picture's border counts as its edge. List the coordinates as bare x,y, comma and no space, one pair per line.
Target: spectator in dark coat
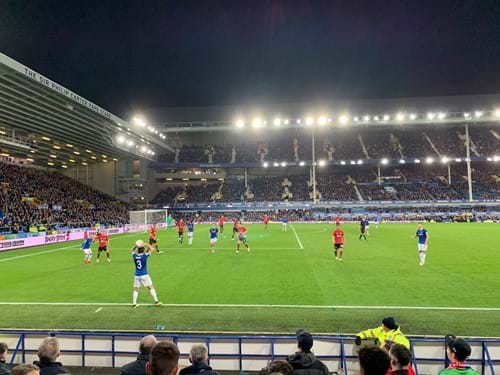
138,367
4,368
303,361
48,352
198,356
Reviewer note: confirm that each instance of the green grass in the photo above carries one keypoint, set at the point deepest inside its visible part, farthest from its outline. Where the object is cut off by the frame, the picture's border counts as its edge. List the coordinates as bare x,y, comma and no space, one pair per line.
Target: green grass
461,271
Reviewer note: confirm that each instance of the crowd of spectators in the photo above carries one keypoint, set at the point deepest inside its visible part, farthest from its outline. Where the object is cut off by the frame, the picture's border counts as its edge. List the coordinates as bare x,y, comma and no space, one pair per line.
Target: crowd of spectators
30,196
383,350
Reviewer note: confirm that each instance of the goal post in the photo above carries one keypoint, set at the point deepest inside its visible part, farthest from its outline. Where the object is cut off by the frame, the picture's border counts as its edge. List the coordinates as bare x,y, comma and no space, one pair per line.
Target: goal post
148,217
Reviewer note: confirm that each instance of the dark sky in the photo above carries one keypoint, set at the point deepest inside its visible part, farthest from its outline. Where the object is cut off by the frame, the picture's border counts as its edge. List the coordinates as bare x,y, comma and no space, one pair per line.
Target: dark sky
126,55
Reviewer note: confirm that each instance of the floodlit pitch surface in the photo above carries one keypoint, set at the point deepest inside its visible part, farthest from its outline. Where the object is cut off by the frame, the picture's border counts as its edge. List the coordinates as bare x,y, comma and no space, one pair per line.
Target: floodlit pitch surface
287,281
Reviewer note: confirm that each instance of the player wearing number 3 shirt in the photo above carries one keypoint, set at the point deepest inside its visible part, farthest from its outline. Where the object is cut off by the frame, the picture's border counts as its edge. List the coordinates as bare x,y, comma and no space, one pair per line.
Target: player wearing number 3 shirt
140,255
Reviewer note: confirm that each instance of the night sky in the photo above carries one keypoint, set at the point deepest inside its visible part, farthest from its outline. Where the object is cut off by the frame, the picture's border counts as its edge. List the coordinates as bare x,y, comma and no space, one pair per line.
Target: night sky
126,55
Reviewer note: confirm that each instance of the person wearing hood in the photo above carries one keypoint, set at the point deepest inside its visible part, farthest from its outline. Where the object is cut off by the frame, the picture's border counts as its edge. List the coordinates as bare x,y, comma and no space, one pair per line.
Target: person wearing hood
385,335
198,356
304,361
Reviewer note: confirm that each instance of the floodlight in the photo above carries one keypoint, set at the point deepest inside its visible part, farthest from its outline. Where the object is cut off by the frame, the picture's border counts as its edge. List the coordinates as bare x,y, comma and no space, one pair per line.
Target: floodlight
478,114
276,164
429,160
458,160
384,161
277,121
265,164
342,162
356,119
402,161
353,162
366,118
376,118
130,143
322,120
489,159
445,160
343,119
413,116
120,139
417,161
302,163
287,122
309,121
283,163
430,116
387,117
143,149
400,117
441,115
322,163
299,121
497,112
257,123
240,123
496,158
360,162
466,114
139,121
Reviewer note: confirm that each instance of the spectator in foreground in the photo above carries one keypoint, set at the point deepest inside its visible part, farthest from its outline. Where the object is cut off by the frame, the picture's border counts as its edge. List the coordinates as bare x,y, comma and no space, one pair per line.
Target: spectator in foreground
138,367
278,366
373,361
303,361
457,351
400,360
48,352
4,368
163,359
25,370
385,335
198,356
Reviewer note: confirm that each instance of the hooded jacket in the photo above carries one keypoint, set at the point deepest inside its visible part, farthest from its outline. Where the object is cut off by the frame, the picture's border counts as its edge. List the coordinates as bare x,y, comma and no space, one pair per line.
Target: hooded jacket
307,364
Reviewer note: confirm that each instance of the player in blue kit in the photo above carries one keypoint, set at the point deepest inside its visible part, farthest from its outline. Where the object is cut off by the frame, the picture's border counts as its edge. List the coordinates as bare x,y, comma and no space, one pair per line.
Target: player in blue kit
87,250
140,255
423,239
190,227
214,236
284,224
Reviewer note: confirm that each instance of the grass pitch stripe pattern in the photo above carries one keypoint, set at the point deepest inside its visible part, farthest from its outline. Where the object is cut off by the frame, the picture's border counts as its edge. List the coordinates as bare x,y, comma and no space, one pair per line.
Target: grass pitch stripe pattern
297,237
215,305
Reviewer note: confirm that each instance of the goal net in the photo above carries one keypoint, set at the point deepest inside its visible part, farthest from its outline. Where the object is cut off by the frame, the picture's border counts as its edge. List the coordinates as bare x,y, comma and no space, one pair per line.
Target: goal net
148,217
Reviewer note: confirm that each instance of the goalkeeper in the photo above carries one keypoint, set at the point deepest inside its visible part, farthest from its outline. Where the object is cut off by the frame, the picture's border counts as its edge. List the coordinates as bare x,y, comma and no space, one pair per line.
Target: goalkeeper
385,335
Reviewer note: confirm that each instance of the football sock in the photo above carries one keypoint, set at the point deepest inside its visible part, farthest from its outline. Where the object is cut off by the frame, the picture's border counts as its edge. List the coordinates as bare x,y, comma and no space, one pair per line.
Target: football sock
153,294
423,257
134,297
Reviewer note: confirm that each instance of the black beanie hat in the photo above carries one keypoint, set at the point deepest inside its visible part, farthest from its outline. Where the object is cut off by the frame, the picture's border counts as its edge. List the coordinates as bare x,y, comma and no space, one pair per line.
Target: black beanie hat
390,323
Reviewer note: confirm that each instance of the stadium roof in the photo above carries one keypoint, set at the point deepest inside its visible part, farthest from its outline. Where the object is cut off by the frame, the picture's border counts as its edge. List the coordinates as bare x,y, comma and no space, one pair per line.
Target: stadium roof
48,123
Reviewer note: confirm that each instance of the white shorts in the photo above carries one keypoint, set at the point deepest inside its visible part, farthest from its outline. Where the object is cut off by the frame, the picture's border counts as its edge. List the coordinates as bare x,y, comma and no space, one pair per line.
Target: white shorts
284,224
213,241
367,227
190,234
144,280
422,247
87,251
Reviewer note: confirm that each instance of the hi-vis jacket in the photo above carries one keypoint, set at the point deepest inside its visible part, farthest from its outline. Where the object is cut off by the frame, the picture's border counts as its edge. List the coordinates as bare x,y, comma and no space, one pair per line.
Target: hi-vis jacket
394,336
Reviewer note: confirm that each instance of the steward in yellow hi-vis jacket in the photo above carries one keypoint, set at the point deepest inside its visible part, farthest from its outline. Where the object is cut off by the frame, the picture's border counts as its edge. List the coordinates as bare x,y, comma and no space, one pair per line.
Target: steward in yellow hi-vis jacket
385,335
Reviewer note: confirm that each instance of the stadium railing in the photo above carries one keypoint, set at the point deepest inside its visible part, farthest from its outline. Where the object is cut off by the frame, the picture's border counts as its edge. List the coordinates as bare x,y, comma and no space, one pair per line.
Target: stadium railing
335,350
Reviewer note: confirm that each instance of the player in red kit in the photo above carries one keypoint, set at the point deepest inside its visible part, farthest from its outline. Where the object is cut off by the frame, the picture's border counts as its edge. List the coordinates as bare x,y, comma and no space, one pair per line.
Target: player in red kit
153,241
265,219
221,224
337,221
338,243
103,239
235,228
242,238
180,228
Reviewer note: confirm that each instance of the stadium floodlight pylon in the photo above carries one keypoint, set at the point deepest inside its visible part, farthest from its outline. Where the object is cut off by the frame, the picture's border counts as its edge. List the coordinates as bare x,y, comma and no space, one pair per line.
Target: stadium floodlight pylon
148,217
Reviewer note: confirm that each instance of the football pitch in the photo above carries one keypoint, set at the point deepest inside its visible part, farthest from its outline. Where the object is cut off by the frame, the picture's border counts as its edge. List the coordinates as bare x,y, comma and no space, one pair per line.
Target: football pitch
287,281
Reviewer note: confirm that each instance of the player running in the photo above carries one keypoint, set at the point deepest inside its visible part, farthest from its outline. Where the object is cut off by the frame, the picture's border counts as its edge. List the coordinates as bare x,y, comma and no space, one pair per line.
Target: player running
153,240
235,227
140,255
242,238
103,240
180,229
265,219
222,220
284,224
362,229
338,243
423,240
87,250
214,236
190,228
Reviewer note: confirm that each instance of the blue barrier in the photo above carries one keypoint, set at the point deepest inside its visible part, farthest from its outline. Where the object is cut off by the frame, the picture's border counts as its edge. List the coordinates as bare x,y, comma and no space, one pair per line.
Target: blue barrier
486,361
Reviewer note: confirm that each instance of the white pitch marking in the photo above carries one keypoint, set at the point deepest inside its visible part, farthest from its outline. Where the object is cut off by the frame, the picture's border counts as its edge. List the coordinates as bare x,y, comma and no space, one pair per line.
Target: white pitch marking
296,236
99,309
216,305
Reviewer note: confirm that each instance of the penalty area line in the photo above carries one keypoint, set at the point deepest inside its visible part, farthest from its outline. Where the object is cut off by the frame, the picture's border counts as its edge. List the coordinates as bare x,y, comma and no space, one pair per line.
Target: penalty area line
215,305
297,237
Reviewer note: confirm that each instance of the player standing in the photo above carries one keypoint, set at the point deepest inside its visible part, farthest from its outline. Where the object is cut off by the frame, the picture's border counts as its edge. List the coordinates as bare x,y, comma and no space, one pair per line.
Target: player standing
362,229
190,228
423,239
337,221
153,240
242,238
338,243
284,224
170,221
214,235
367,226
103,239
140,255
180,228
221,223
265,219
87,250
235,227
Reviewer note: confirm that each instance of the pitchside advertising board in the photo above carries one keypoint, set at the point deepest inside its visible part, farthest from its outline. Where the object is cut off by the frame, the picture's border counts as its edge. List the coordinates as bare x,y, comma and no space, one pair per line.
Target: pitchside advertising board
20,243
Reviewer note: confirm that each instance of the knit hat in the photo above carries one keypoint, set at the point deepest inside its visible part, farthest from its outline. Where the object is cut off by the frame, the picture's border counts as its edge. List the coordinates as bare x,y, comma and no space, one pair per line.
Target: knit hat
304,340
390,323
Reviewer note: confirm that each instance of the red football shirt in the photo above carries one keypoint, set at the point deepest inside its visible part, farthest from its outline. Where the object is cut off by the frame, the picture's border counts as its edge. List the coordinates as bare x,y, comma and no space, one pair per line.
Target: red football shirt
180,224
152,232
103,239
221,220
338,236
242,230
266,219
